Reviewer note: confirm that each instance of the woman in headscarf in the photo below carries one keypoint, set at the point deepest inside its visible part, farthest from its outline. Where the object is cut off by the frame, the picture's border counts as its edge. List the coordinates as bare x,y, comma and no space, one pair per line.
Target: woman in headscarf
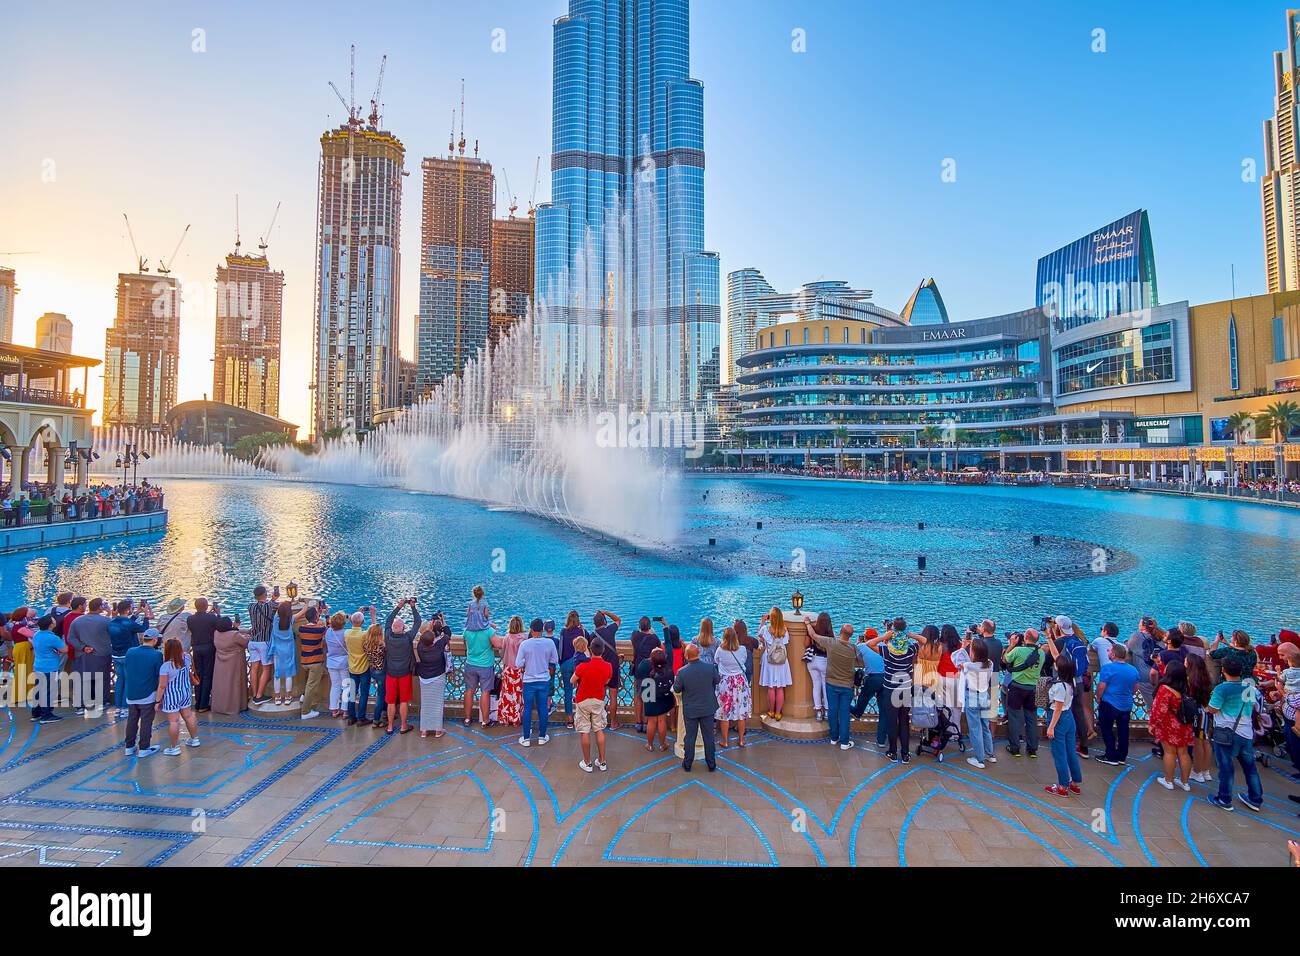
431,671
230,672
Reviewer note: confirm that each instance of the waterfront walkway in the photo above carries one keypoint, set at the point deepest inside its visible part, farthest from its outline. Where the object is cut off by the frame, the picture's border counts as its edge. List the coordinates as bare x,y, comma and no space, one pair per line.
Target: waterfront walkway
293,793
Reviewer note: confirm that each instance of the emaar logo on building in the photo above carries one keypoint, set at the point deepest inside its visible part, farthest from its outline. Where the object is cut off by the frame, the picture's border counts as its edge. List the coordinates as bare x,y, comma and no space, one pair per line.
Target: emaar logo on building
76,909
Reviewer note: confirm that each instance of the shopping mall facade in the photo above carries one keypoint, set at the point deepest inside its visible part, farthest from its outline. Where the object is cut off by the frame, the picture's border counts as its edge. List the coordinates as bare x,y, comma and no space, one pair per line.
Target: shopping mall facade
1145,393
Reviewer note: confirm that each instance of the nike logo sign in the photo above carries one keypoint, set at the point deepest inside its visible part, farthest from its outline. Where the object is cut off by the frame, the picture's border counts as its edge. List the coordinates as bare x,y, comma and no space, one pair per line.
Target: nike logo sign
1093,367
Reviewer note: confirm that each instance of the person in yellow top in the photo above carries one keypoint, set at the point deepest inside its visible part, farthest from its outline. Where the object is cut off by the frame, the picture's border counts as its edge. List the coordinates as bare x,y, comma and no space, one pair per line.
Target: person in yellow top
358,662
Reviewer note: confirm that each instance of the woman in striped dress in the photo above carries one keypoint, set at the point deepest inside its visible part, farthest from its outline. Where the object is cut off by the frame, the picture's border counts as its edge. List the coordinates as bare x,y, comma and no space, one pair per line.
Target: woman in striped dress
175,694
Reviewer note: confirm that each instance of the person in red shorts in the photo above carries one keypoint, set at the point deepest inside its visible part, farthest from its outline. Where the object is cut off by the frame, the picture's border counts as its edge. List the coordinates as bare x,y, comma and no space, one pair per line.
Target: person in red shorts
399,662
591,677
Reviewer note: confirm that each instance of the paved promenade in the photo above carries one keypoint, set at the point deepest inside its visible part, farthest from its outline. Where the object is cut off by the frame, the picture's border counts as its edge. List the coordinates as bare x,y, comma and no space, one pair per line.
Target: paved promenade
293,793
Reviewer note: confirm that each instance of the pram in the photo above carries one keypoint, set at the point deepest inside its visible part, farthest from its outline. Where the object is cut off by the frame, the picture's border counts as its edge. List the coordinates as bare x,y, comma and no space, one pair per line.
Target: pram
937,727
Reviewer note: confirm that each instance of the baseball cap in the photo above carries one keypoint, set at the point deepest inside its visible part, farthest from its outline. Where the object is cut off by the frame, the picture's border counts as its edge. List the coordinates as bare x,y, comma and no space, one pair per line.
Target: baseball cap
153,634
548,625
1064,623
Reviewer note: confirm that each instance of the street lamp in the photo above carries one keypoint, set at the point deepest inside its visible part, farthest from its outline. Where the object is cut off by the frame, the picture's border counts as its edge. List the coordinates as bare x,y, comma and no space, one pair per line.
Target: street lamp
291,591
796,600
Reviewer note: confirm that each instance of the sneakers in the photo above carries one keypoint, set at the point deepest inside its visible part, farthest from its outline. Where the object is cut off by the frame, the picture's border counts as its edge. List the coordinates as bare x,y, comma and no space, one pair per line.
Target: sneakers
1214,799
1014,752
907,757
543,741
975,763
172,752
310,714
525,742
890,755
585,767
991,759
1247,804
129,752
1164,783
1202,776
1057,790
192,742
121,713
50,719
149,751
1185,786
1119,763
848,746
1033,755
1075,788
602,765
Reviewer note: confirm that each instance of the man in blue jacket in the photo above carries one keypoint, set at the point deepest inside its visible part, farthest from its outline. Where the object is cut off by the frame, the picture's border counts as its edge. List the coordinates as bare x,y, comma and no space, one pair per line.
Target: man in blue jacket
140,686
123,633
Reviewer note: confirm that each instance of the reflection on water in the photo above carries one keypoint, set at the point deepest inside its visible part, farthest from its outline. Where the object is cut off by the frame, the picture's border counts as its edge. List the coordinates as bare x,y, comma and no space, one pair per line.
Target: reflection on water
1218,564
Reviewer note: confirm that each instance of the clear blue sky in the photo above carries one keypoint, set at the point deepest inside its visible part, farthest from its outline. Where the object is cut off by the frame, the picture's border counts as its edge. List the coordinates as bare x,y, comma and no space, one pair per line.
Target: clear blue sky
823,164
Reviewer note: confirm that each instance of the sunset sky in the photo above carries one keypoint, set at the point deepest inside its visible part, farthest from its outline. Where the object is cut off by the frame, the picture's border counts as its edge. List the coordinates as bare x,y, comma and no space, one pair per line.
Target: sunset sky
821,164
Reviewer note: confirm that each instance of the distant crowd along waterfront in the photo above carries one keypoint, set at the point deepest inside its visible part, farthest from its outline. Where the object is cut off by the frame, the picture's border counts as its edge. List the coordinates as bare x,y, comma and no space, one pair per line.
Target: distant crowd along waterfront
1210,704
38,502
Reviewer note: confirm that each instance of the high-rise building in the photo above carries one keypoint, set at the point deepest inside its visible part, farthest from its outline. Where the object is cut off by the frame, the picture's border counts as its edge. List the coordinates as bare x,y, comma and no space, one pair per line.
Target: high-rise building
455,264
8,289
744,288
358,266
142,351
54,332
246,357
753,305
1280,184
627,301
512,273
1110,271
925,307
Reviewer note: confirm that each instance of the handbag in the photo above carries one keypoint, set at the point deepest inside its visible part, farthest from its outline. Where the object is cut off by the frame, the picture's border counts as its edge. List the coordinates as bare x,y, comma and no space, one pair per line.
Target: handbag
1224,736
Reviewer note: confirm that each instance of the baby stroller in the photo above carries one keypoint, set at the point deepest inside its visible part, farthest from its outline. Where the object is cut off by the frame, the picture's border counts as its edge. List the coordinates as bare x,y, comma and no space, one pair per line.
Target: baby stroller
1270,738
937,727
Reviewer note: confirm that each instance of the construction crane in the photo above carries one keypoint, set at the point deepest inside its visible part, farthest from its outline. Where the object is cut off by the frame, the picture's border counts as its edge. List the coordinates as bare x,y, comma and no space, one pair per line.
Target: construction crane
350,104
262,243
513,205
166,267
142,265
18,253
532,199
460,145
374,100
237,241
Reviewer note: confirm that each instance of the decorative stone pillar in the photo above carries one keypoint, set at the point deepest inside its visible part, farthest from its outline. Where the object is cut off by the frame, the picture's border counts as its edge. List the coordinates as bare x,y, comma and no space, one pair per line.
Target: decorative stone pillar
797,715
19,464
83,475
54,469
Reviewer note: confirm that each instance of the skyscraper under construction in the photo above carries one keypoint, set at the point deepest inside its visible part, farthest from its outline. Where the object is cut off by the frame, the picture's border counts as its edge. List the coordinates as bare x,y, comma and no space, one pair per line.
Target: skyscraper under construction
142,351
358,273
512,273
246,366
455,264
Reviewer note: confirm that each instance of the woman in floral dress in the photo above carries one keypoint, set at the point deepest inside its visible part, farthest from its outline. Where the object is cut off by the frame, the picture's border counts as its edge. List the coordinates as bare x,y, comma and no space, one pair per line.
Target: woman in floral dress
1167,727
733,690
510,706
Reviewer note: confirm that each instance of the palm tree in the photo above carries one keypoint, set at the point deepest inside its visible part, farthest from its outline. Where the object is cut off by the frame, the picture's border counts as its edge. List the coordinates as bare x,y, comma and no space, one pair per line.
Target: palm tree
741,438
1281,418
1240,423
930,436
841,435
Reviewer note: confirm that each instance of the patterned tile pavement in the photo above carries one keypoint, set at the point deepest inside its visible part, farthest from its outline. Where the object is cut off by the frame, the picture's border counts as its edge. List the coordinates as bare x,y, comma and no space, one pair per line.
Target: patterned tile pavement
293,793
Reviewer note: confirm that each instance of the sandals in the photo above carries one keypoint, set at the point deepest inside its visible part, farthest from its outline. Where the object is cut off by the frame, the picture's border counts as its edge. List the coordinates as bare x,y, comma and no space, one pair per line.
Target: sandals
439,733
649,749
468,721
404,730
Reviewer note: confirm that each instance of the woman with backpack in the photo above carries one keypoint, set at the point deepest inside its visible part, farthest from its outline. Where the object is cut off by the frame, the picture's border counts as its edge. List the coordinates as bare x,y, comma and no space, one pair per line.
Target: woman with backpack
1172,723
1061,730
775,673
654,678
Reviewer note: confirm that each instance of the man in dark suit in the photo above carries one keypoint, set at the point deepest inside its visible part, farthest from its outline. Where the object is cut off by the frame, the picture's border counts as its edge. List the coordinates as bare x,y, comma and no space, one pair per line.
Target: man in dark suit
697,682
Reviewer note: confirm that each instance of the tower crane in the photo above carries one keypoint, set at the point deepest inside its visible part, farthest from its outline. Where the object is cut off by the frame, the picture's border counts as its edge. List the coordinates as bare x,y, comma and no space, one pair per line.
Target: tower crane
266,238
513,205
142,264
166,267
374,100
532,199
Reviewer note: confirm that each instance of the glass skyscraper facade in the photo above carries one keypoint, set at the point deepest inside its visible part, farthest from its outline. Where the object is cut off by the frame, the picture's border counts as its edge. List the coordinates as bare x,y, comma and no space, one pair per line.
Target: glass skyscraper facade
628,301
926,307
1111,271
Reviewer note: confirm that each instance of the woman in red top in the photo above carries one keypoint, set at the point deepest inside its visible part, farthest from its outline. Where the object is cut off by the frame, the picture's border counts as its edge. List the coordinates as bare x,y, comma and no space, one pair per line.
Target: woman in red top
20,630
1168,728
